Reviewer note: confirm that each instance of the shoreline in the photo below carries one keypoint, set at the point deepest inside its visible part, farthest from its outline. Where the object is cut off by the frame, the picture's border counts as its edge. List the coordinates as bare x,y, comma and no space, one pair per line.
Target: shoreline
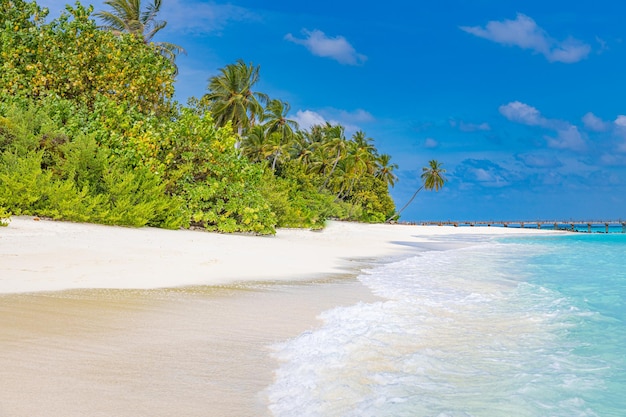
53,256
195,351
101,319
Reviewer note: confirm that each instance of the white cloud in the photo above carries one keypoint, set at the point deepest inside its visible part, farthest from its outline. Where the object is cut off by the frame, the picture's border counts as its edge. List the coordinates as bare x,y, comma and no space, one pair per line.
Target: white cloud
337,48
519,112
569,138
308,118
567,135
356,116
539,161
430,143
484,173
603,45
202,17
620,121
620,131
350,120
614,159
523,32
593,122
474,127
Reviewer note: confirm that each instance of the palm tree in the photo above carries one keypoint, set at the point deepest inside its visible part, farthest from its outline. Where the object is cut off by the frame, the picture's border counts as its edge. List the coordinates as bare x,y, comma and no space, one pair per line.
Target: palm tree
334,146
127,17
278,127
254,145
231,98
277,148
301,148
432,179
384,169
364,152
275,118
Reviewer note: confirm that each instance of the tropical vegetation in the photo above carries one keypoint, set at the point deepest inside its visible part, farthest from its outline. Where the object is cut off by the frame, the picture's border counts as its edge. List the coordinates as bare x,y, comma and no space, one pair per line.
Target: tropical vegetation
127,16
89,132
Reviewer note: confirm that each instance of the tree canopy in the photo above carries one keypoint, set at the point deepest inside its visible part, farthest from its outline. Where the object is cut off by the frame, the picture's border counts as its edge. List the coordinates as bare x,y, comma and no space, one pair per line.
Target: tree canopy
89,132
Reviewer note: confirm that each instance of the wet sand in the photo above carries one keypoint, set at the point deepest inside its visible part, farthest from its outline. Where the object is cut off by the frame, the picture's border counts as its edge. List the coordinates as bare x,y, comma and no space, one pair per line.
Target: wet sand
201,351
86,331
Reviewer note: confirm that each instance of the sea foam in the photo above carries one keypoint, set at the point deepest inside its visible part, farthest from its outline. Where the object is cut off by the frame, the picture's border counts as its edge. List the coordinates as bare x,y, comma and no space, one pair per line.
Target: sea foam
476,331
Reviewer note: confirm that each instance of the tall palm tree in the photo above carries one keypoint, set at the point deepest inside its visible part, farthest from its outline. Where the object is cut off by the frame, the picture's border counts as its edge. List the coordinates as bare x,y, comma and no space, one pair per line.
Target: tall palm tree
364,152
127,16
275,118
432,179
335,146
231,98
384,169
278,127
254,145
277,148
302,148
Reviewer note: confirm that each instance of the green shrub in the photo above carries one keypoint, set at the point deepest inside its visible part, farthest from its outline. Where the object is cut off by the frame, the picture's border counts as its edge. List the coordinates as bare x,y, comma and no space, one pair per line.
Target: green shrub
21,181
137,198
219,187
71,57
5,217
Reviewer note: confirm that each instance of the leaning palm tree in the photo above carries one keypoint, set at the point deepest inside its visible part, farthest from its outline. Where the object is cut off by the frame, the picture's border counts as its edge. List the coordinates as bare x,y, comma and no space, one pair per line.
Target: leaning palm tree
231,98
127,16
432,179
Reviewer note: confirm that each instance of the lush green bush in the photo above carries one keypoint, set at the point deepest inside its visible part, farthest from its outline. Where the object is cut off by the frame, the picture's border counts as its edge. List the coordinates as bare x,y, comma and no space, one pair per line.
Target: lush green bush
116,165
294,198
5,217
219,187
45,173
70,57
370,194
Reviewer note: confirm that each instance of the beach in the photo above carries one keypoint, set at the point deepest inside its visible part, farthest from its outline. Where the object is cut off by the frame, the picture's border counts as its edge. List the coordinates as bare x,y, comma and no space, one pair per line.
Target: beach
100,320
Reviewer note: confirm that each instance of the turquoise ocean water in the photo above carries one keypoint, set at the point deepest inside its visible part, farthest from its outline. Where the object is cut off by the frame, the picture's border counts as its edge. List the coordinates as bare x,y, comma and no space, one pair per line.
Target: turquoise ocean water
525,326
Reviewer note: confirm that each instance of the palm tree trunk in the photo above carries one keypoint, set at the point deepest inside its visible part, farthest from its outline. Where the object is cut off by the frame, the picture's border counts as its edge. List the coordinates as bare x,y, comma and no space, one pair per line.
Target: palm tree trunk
276,155
405,206
332,170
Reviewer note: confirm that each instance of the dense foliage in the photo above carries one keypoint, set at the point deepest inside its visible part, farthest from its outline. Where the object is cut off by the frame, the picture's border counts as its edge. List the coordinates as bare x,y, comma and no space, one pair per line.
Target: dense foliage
349,175
72,58
88,132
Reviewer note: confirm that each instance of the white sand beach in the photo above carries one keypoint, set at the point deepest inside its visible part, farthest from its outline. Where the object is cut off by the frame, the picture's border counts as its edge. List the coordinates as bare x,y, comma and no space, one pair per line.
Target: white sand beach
51,256
98,320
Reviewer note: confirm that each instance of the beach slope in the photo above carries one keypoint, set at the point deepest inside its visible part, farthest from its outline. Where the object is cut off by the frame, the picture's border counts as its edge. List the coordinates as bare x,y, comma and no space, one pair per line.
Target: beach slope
51,256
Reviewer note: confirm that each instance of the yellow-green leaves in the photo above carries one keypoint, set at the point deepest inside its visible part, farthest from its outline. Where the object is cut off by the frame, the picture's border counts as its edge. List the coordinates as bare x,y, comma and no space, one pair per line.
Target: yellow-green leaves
70,57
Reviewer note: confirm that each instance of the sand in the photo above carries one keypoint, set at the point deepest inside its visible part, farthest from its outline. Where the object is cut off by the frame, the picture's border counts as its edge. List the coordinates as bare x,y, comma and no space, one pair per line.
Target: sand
52,256
105,321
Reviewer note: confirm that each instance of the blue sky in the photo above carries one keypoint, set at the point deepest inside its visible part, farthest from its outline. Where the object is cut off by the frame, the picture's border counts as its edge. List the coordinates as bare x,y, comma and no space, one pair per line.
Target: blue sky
522,101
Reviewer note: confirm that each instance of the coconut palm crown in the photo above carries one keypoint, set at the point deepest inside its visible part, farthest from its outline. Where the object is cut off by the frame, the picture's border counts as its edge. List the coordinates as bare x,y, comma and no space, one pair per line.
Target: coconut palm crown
127,16
231,98
432,179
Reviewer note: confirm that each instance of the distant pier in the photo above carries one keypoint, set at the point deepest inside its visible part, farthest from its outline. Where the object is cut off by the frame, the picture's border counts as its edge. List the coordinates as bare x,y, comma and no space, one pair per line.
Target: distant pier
568,225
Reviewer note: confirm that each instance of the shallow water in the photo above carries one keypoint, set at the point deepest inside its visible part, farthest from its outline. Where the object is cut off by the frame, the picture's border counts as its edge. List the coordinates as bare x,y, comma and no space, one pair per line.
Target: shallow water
515,327
177,352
